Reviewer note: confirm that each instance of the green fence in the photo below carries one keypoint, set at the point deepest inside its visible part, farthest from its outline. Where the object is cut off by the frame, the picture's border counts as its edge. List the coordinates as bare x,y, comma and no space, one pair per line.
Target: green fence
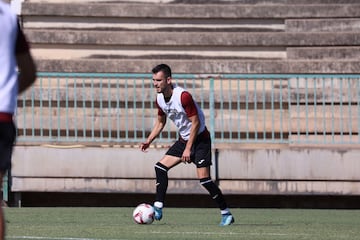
95,108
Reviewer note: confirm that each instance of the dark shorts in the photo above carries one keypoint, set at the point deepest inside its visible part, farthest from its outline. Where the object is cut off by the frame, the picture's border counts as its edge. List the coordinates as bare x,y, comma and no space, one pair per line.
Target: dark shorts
200,151
7,140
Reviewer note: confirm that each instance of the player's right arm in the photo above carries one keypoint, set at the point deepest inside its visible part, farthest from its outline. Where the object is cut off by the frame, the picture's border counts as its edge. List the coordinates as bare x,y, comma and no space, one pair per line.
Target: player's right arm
158,127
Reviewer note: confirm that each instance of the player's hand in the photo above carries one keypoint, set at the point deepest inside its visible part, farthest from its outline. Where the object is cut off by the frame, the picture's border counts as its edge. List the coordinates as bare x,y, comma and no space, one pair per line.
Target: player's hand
144,146
186,156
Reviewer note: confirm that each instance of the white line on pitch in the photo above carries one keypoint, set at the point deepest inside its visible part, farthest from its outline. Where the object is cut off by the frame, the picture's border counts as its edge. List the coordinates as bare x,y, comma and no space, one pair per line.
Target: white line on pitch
57,238
226,233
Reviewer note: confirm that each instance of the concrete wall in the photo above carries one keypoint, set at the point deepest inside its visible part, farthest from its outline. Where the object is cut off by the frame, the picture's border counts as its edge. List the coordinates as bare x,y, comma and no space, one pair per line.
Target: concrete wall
238,171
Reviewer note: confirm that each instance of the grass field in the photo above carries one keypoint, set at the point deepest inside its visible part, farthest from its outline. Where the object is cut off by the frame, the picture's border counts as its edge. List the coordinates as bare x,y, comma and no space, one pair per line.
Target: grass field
181,223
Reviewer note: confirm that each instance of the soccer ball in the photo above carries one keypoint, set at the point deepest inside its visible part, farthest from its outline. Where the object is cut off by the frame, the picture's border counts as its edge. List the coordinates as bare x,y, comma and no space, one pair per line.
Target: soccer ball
144,214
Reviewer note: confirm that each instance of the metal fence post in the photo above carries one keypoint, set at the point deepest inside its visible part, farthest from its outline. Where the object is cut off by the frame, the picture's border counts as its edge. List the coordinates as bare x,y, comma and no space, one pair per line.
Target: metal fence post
215,153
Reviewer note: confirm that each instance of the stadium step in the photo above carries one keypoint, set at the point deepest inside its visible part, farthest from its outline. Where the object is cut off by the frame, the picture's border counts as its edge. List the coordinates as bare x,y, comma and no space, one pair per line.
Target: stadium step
216,36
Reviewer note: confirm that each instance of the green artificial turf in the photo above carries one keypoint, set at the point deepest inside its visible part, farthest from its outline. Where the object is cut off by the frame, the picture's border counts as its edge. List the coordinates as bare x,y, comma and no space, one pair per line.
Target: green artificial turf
181,223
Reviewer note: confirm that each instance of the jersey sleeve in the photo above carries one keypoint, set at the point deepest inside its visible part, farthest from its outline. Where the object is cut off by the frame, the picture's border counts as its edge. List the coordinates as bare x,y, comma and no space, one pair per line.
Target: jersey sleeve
160,111
22,45
188,104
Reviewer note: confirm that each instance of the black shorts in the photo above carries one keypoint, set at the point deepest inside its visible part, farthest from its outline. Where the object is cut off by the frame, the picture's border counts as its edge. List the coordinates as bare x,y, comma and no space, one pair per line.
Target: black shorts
200,151
7,140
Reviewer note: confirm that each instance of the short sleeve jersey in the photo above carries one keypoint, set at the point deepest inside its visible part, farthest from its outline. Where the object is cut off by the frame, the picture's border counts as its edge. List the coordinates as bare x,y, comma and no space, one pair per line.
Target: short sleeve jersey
12,42
179,108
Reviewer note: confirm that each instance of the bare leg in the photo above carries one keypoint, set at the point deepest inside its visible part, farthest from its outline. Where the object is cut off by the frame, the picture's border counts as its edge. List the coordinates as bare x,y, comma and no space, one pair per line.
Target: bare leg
203,172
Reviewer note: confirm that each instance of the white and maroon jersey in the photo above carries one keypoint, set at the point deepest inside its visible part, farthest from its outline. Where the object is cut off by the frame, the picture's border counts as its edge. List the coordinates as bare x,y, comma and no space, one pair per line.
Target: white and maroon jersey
12,41
179,108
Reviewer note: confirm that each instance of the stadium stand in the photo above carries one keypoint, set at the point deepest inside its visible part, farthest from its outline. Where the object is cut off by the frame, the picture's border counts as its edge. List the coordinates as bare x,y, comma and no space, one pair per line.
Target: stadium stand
217,37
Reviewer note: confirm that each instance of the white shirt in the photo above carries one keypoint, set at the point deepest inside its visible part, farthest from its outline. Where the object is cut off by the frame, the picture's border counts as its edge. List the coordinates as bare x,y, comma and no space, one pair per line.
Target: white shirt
174,110
8,72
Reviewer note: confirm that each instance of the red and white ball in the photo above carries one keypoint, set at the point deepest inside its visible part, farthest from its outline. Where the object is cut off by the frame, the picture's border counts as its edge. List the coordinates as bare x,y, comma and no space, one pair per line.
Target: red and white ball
144,214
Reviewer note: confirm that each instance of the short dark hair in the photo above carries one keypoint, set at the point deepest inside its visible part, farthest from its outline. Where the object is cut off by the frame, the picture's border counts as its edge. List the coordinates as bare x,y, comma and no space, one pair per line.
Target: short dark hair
162,68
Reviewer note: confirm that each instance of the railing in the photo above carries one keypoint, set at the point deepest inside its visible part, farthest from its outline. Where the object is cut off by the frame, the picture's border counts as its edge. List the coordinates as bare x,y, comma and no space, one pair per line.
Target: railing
91,108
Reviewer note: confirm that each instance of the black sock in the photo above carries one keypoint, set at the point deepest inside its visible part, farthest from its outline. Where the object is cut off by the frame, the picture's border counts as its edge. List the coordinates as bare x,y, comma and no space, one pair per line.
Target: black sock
214,191
161,181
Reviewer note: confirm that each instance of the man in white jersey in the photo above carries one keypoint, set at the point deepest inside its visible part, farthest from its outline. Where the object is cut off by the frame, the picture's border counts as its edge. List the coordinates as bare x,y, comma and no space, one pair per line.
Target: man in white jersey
17,73
193,145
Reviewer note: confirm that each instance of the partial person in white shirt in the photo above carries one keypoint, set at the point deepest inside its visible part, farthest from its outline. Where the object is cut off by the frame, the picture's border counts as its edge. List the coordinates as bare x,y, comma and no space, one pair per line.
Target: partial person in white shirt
17,73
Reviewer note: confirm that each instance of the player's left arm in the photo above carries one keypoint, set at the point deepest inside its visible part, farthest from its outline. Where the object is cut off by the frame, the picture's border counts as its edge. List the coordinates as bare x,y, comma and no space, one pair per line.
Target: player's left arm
191,111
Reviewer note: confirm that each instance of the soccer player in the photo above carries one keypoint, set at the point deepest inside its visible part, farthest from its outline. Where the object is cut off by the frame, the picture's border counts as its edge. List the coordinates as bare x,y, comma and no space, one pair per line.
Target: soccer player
193,145
17,73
